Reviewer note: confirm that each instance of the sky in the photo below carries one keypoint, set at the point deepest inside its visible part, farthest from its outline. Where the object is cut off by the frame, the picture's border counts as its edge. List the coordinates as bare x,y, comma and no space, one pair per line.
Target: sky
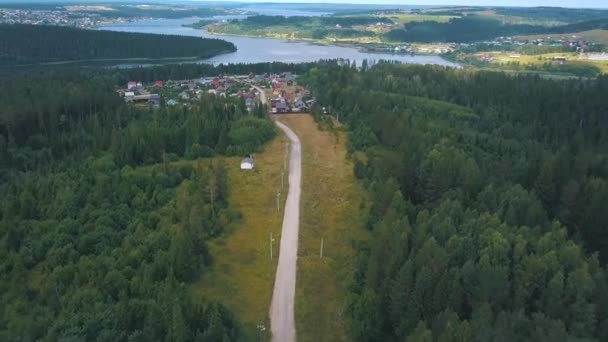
523,3
526,3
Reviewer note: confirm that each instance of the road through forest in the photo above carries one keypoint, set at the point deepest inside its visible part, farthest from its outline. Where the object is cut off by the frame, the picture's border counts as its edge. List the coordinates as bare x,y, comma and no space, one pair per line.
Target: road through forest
282,319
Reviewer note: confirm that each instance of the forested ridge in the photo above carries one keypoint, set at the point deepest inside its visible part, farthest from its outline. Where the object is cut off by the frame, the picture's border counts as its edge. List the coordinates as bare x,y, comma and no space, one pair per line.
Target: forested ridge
300,27
489,195
107,208
24,44
473,28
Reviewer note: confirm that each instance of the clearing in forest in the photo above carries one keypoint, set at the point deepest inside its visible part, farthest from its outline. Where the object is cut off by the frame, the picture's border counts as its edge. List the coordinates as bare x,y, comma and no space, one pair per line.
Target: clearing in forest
332,209
242,274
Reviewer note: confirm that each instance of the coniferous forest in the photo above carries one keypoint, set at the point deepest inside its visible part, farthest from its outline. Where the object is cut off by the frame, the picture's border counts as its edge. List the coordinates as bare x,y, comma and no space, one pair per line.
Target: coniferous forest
26,44
489,194
106,209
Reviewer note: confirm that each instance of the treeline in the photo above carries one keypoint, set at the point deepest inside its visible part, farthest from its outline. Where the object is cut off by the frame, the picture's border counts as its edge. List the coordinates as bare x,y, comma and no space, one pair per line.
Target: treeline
301,27
488,198
473,28
567,15
25,44
599,24
258,21
459,30
106,210
192,70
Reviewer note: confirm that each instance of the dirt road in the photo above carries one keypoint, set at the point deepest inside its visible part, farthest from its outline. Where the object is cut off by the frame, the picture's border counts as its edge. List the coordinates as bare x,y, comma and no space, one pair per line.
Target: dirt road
282,320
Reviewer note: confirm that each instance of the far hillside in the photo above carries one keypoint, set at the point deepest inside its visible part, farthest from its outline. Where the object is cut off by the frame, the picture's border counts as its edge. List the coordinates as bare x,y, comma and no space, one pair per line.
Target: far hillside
472,28
29,44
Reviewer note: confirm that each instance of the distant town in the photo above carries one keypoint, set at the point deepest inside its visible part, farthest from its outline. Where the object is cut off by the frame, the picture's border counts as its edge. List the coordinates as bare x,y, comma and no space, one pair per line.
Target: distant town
77,16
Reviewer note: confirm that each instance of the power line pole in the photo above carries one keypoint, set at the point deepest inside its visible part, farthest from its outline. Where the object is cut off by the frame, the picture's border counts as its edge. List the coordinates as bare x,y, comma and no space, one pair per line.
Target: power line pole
271,246
321,252
278,198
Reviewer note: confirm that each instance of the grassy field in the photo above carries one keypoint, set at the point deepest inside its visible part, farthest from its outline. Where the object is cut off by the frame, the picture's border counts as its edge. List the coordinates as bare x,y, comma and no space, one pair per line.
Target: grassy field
332,209
242,275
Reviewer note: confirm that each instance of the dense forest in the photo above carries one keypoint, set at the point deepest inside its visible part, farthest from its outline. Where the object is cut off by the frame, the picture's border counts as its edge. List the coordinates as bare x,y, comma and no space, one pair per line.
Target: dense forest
24,44
478,28
489,195
560,14
106,210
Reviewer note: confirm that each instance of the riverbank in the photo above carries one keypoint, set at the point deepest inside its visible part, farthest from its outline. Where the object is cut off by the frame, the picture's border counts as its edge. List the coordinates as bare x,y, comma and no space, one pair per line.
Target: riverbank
265,50
391,49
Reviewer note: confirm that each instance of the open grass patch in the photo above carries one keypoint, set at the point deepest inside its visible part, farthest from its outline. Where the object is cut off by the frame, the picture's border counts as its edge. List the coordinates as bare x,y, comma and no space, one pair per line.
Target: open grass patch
242,274
332,209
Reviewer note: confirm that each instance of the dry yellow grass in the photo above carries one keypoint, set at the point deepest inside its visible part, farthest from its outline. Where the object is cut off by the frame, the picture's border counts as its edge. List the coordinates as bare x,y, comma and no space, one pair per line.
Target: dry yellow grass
242,275
332,208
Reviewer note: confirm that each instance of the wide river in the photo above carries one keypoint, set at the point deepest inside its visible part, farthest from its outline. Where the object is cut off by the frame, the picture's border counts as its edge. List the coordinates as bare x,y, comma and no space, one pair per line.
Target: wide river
256,50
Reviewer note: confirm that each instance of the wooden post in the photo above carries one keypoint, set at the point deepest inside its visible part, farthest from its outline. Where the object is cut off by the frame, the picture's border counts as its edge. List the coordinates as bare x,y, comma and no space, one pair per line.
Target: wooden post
321,252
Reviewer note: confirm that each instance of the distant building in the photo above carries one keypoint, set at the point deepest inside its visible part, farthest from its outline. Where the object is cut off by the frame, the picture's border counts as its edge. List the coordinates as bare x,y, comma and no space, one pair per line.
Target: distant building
247,163
184,95
154,99
131,85
158,84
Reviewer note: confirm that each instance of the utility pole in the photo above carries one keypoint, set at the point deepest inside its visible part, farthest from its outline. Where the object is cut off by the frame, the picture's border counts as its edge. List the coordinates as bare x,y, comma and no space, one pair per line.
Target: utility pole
282,176
278,198
321,252
271,246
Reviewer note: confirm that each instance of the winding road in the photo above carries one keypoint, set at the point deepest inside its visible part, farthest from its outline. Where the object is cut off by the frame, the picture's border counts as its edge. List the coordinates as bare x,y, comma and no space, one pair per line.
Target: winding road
282,319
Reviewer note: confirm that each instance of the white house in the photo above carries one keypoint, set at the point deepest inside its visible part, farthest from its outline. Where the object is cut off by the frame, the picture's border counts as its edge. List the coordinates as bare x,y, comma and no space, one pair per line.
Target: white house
247,163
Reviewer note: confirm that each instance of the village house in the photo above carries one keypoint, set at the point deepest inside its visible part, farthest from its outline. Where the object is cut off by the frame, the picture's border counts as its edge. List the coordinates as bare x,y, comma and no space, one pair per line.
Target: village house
279,106
247,163
153,99
184,95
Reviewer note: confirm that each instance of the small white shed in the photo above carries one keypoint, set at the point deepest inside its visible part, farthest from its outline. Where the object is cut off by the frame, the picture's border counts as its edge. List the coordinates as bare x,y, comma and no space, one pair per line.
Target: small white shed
247,163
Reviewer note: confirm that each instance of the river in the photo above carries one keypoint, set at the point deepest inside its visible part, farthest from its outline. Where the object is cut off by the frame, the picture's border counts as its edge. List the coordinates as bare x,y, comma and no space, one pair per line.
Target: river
258,50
